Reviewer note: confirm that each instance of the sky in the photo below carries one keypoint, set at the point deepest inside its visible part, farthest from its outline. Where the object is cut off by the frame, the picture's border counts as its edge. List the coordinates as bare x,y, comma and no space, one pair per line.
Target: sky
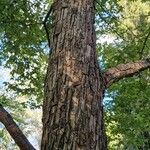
4,75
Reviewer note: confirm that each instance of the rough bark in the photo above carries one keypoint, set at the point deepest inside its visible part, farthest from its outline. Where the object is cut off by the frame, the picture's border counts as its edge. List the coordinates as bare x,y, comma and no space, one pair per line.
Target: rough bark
14,130
125,70
72,109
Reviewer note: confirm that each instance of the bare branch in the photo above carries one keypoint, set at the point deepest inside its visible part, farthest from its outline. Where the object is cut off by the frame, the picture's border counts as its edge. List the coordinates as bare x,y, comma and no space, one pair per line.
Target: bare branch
125,70
144,44
14,130
45,26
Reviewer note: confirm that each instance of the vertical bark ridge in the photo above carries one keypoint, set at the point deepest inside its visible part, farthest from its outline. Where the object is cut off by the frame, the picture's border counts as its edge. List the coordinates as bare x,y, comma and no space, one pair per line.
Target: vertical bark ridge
72,110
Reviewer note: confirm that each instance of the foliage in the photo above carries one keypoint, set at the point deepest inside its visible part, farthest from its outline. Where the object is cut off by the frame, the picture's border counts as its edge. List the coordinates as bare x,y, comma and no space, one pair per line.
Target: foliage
24,44
127,112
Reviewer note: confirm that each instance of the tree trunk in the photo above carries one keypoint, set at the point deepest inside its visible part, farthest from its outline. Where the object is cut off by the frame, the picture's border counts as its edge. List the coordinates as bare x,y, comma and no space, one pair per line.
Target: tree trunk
72,109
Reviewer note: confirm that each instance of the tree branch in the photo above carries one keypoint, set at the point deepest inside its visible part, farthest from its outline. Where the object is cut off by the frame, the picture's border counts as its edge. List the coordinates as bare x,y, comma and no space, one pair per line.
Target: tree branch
14,130
114,74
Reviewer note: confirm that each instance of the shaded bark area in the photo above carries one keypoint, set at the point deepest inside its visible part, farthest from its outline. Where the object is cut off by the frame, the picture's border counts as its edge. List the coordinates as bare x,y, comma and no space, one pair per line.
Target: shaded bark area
14,130
114,74
72,109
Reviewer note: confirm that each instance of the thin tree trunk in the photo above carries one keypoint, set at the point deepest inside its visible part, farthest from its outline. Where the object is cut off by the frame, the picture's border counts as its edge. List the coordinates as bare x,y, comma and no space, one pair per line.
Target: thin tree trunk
14,130
72,109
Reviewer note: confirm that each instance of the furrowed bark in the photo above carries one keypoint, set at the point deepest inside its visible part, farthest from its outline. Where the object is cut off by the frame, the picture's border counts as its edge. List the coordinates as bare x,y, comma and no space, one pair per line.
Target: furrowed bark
72,109
114,74
14,130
